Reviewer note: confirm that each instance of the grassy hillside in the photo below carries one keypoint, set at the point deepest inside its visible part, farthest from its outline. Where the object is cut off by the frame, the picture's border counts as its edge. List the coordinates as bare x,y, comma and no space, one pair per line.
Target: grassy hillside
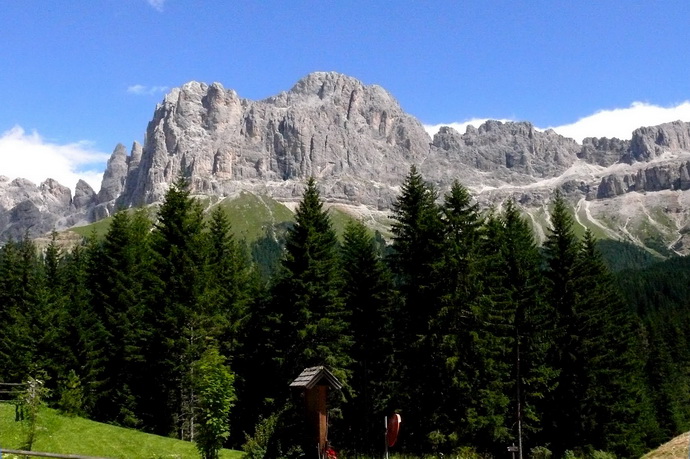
251,214
674,449
61,434
98,228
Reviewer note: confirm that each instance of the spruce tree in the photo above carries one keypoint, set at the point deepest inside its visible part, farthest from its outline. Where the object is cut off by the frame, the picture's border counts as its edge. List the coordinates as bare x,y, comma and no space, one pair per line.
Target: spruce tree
368,294
615,407
27,332
309,308
457,326
175,315
13,319
118,269
306,317
230,281
416,251
81,329
53,348
563,421
516,281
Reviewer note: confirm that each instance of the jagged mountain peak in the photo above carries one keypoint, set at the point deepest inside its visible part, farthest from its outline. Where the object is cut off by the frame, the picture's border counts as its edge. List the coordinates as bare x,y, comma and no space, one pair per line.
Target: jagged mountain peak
359,144
651,141
328,125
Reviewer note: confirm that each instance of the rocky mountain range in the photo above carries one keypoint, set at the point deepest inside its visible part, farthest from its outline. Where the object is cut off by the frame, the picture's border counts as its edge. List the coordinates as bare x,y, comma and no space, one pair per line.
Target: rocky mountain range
359,144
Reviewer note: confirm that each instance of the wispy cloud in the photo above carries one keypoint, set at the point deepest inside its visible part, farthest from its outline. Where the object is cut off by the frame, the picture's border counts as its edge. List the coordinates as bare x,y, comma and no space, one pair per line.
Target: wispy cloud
141,90
157,4
29,156
617,122
620,122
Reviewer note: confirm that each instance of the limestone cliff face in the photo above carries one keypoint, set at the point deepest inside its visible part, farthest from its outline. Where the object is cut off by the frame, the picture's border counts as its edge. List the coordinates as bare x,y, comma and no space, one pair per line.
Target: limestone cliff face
674,175
603,151
514,153
359,144
328,125
24,206
650,142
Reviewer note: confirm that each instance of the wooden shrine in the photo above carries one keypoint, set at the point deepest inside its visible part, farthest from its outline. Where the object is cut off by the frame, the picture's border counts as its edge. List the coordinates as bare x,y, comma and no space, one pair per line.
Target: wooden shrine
314,383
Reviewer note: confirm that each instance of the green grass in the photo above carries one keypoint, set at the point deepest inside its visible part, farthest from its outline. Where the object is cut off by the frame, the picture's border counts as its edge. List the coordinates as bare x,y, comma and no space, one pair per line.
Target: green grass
73,435
99,228
339,219
250,215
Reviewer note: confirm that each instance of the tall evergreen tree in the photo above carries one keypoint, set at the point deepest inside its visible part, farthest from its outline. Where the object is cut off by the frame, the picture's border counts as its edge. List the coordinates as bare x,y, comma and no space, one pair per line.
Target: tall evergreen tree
368,293
416,250
560,250
306,311
175,315
53,348
615,407
18,280
667,374
230,282
81,328
460,279
309,306
30,327
118,269
516,282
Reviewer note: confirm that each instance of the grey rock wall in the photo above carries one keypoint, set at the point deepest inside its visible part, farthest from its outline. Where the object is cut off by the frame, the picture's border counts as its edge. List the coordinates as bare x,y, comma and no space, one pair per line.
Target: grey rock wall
359,144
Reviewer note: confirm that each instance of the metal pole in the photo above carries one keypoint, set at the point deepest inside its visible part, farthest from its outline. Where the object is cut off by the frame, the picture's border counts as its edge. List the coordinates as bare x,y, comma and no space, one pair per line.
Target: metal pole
518,381
385,437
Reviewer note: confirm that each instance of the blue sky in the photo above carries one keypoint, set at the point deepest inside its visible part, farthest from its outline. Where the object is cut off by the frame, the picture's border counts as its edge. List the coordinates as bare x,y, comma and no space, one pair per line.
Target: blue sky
80,76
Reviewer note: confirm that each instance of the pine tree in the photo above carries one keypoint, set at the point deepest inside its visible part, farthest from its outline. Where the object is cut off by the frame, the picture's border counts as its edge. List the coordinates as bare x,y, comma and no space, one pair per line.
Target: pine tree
368,294
118,268
230,283
26,332
457,326
516,281
306,313
563,421
54,319
175,315
13,296
616,411
310,309
416,250
81,328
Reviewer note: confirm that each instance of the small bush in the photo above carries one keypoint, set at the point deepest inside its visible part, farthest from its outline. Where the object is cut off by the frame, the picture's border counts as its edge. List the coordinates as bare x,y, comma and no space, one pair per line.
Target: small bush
71,395
540,452
467,452
436,440
256,446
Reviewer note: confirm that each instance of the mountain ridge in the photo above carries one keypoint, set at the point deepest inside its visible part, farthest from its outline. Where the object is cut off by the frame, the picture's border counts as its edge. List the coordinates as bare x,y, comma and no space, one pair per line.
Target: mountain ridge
356,140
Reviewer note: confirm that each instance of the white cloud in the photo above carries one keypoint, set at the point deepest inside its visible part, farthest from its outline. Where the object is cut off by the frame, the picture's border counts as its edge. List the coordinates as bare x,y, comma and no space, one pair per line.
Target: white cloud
620,122
617,122
31,157
157,4
141,90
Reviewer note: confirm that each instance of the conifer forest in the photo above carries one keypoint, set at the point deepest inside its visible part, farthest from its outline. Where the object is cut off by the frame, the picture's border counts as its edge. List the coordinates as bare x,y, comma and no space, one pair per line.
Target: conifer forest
477,336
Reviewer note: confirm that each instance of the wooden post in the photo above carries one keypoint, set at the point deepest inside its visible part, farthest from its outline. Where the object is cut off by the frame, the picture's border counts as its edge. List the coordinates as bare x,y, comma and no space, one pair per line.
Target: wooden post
314,383
315,401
